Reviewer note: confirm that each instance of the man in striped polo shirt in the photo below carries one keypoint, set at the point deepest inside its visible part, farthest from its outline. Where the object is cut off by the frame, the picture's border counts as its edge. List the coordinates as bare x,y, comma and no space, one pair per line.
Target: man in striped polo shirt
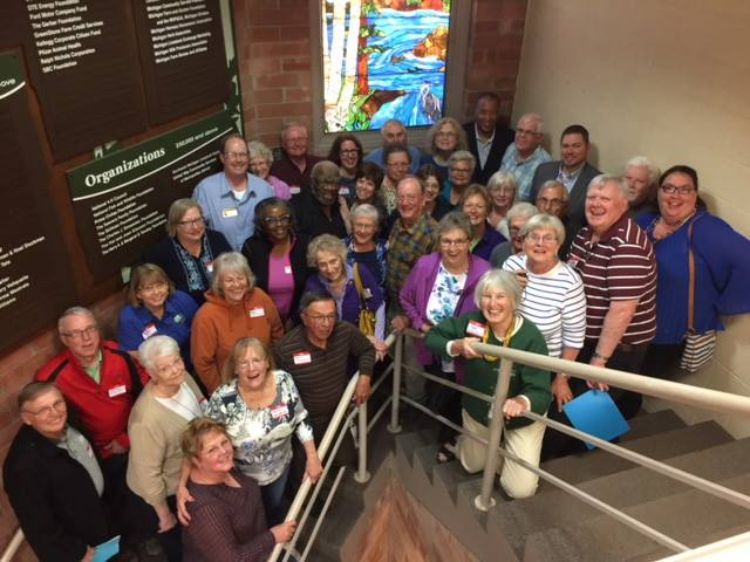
617,264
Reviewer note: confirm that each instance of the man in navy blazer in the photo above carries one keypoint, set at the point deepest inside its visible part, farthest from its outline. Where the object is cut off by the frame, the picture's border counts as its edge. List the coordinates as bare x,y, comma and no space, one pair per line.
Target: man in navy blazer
487,138
573,171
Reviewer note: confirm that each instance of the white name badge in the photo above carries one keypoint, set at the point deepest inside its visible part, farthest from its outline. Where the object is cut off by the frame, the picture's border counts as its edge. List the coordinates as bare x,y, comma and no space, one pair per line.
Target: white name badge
230,213
148,331
287,270
475,328
302,358
294,189
343,191
117,390
210,267
257,312
279,412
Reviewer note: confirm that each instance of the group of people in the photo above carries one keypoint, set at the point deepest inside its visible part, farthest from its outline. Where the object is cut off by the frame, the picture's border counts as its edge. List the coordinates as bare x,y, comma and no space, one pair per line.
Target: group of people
278,280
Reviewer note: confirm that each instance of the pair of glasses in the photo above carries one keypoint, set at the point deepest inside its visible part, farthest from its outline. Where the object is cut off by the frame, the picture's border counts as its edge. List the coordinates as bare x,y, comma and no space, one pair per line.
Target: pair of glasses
193,222
271,221
56,407
80,334
679,189
153,288
236,155
320,318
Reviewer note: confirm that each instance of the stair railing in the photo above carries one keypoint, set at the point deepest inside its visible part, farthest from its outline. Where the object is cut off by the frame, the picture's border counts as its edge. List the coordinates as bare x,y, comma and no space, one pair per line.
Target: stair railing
685,394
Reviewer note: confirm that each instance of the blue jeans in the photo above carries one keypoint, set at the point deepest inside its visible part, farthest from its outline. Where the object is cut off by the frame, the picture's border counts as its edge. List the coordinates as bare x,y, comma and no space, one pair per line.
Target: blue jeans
274,500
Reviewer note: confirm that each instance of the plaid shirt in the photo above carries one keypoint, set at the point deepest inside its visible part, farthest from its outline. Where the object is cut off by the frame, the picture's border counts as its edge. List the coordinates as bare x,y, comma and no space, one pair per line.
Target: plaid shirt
523,170
405,247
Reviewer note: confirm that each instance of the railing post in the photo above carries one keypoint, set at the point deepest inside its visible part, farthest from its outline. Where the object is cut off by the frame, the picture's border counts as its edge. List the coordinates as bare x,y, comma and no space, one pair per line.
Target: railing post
362,476
485,501
394,427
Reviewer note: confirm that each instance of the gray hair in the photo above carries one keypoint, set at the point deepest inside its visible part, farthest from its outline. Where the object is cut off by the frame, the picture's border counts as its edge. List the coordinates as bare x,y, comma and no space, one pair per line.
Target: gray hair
325,243
34,390
324,171
365,211
462,156
410,178
643,162
498,280
292,125
177,210
523,210
500,179
257,149
452,221
231,262
155,347
536,118
603,179
390,123
74,311
549,184
543,221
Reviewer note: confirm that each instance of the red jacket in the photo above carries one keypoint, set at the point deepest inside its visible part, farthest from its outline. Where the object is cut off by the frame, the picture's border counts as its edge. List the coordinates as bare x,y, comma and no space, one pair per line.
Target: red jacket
102,410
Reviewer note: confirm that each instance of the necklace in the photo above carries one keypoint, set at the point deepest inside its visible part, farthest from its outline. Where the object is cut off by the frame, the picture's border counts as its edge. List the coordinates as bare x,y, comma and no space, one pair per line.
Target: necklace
505,339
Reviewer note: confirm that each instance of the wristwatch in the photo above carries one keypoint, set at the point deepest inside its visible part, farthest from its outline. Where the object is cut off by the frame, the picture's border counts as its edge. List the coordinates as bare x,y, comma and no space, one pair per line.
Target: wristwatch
598,355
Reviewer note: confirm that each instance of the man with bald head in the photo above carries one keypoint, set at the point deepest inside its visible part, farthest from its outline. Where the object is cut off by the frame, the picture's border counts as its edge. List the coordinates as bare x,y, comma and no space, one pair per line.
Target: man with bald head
394,133
526,153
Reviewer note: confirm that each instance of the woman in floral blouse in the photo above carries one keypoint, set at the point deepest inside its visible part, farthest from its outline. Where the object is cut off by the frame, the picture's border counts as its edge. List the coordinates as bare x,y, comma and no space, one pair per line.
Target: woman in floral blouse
261,409
441,286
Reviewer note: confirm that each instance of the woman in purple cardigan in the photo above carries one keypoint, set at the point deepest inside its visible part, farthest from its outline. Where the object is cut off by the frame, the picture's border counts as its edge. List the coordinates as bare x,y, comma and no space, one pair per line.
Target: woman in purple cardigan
440,286
327,254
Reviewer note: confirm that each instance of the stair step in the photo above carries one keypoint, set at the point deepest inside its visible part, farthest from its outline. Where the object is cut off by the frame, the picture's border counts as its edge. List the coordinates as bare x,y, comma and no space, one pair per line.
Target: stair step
652,424
450,475
662,446
408,443
691,517
623,489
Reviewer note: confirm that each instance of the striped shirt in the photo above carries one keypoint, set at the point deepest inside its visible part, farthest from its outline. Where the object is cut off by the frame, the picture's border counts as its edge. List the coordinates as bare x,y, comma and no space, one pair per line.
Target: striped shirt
554,302
621,266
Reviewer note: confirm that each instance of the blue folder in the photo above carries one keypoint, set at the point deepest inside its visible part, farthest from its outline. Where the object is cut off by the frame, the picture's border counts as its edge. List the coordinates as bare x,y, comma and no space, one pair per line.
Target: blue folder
107,550
596,413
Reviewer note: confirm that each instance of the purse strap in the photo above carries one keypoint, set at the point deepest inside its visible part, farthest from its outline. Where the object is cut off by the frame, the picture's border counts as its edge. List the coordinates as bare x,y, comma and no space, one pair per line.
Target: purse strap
360,286
691,279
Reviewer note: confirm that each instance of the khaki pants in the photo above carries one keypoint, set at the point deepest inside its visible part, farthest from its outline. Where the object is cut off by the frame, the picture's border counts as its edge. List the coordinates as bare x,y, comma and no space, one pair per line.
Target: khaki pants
524,442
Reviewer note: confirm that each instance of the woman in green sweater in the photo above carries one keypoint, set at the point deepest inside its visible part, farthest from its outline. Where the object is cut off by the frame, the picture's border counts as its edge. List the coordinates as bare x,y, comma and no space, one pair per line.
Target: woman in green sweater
497,323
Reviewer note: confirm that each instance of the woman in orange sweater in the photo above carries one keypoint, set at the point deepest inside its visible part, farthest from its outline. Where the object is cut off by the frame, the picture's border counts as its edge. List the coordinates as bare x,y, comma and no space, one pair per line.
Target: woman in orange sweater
234,309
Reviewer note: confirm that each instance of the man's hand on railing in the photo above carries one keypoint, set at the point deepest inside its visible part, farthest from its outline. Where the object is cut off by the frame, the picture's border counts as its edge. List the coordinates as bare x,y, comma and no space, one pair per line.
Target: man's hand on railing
284,532
463,348
514,407
561,390
399,323
363,390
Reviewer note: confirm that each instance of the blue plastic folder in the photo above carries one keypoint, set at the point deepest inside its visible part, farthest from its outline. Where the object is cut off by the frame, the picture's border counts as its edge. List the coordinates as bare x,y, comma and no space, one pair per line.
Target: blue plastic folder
107,550
596,413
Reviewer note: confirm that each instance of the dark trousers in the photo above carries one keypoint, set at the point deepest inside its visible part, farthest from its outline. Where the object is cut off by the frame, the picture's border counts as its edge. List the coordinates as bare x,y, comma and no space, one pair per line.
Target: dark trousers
144,524
661,360
443,401
558,444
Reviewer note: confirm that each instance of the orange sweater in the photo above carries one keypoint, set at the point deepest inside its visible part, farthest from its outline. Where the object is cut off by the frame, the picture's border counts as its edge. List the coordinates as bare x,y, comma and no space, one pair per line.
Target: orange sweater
218,325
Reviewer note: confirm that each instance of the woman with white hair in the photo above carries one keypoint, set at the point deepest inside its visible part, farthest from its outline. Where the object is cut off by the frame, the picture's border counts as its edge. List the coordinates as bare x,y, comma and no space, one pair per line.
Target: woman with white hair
261,159
461,166
518,216
159,417
553,298
235,308
498,322
503,189
364,246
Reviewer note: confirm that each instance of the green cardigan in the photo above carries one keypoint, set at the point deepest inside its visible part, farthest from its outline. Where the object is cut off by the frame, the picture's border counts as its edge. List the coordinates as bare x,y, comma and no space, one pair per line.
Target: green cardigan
481,375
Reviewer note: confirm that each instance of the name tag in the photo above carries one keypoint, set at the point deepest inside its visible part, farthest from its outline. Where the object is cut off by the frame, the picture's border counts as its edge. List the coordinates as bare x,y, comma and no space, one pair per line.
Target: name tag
148,331
287,270
294,189
302,358
230,213
210,267
475,328
117,390
257,312
343,191
279,412
367,293
179,318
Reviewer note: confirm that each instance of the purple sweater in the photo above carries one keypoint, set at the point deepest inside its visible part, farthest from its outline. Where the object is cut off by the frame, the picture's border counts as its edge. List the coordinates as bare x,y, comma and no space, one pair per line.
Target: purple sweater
415,295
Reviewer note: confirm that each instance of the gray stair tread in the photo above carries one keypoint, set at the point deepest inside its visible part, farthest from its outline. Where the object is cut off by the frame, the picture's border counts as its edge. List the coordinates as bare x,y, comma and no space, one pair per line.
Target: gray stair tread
622,489
409,443
652,423
691,517
661,446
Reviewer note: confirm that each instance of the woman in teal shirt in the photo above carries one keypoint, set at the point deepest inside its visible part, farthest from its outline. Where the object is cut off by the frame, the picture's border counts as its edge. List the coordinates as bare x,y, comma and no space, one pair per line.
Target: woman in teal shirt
498,323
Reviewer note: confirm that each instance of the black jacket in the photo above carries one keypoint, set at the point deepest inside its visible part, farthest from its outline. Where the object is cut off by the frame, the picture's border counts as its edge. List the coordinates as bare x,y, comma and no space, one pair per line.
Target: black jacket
503,138
54,499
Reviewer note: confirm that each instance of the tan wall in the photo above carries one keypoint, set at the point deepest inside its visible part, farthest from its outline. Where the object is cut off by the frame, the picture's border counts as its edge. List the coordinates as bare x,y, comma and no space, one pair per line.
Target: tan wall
666,79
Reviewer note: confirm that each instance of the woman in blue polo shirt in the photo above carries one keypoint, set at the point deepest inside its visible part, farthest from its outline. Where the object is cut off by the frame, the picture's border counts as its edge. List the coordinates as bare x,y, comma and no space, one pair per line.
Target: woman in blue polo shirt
155,308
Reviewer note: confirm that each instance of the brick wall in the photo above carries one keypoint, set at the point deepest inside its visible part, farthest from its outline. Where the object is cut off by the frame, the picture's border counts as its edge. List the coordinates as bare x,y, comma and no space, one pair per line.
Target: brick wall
273,42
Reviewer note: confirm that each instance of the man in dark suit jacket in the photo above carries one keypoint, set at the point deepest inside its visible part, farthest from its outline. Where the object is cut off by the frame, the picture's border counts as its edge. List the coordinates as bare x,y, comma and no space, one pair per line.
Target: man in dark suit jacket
487,138
572,171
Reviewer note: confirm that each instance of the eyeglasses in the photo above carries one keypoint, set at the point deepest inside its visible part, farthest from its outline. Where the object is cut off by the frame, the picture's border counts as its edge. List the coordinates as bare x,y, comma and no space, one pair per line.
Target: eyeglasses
80,334
407,198
176,366
526,132
56,407
349,151
244,365
364,226
271,221
546,239
460,170
445,134
321,318
453,243
153,288
234,281
192,222
236,155
680,189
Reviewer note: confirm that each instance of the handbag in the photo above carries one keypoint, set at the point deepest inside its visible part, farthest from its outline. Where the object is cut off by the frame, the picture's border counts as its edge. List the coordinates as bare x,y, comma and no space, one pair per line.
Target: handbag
366,316
699,348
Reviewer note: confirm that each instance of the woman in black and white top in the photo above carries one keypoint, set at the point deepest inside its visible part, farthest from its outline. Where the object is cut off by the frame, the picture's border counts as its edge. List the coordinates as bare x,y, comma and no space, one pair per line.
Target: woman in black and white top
553,297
